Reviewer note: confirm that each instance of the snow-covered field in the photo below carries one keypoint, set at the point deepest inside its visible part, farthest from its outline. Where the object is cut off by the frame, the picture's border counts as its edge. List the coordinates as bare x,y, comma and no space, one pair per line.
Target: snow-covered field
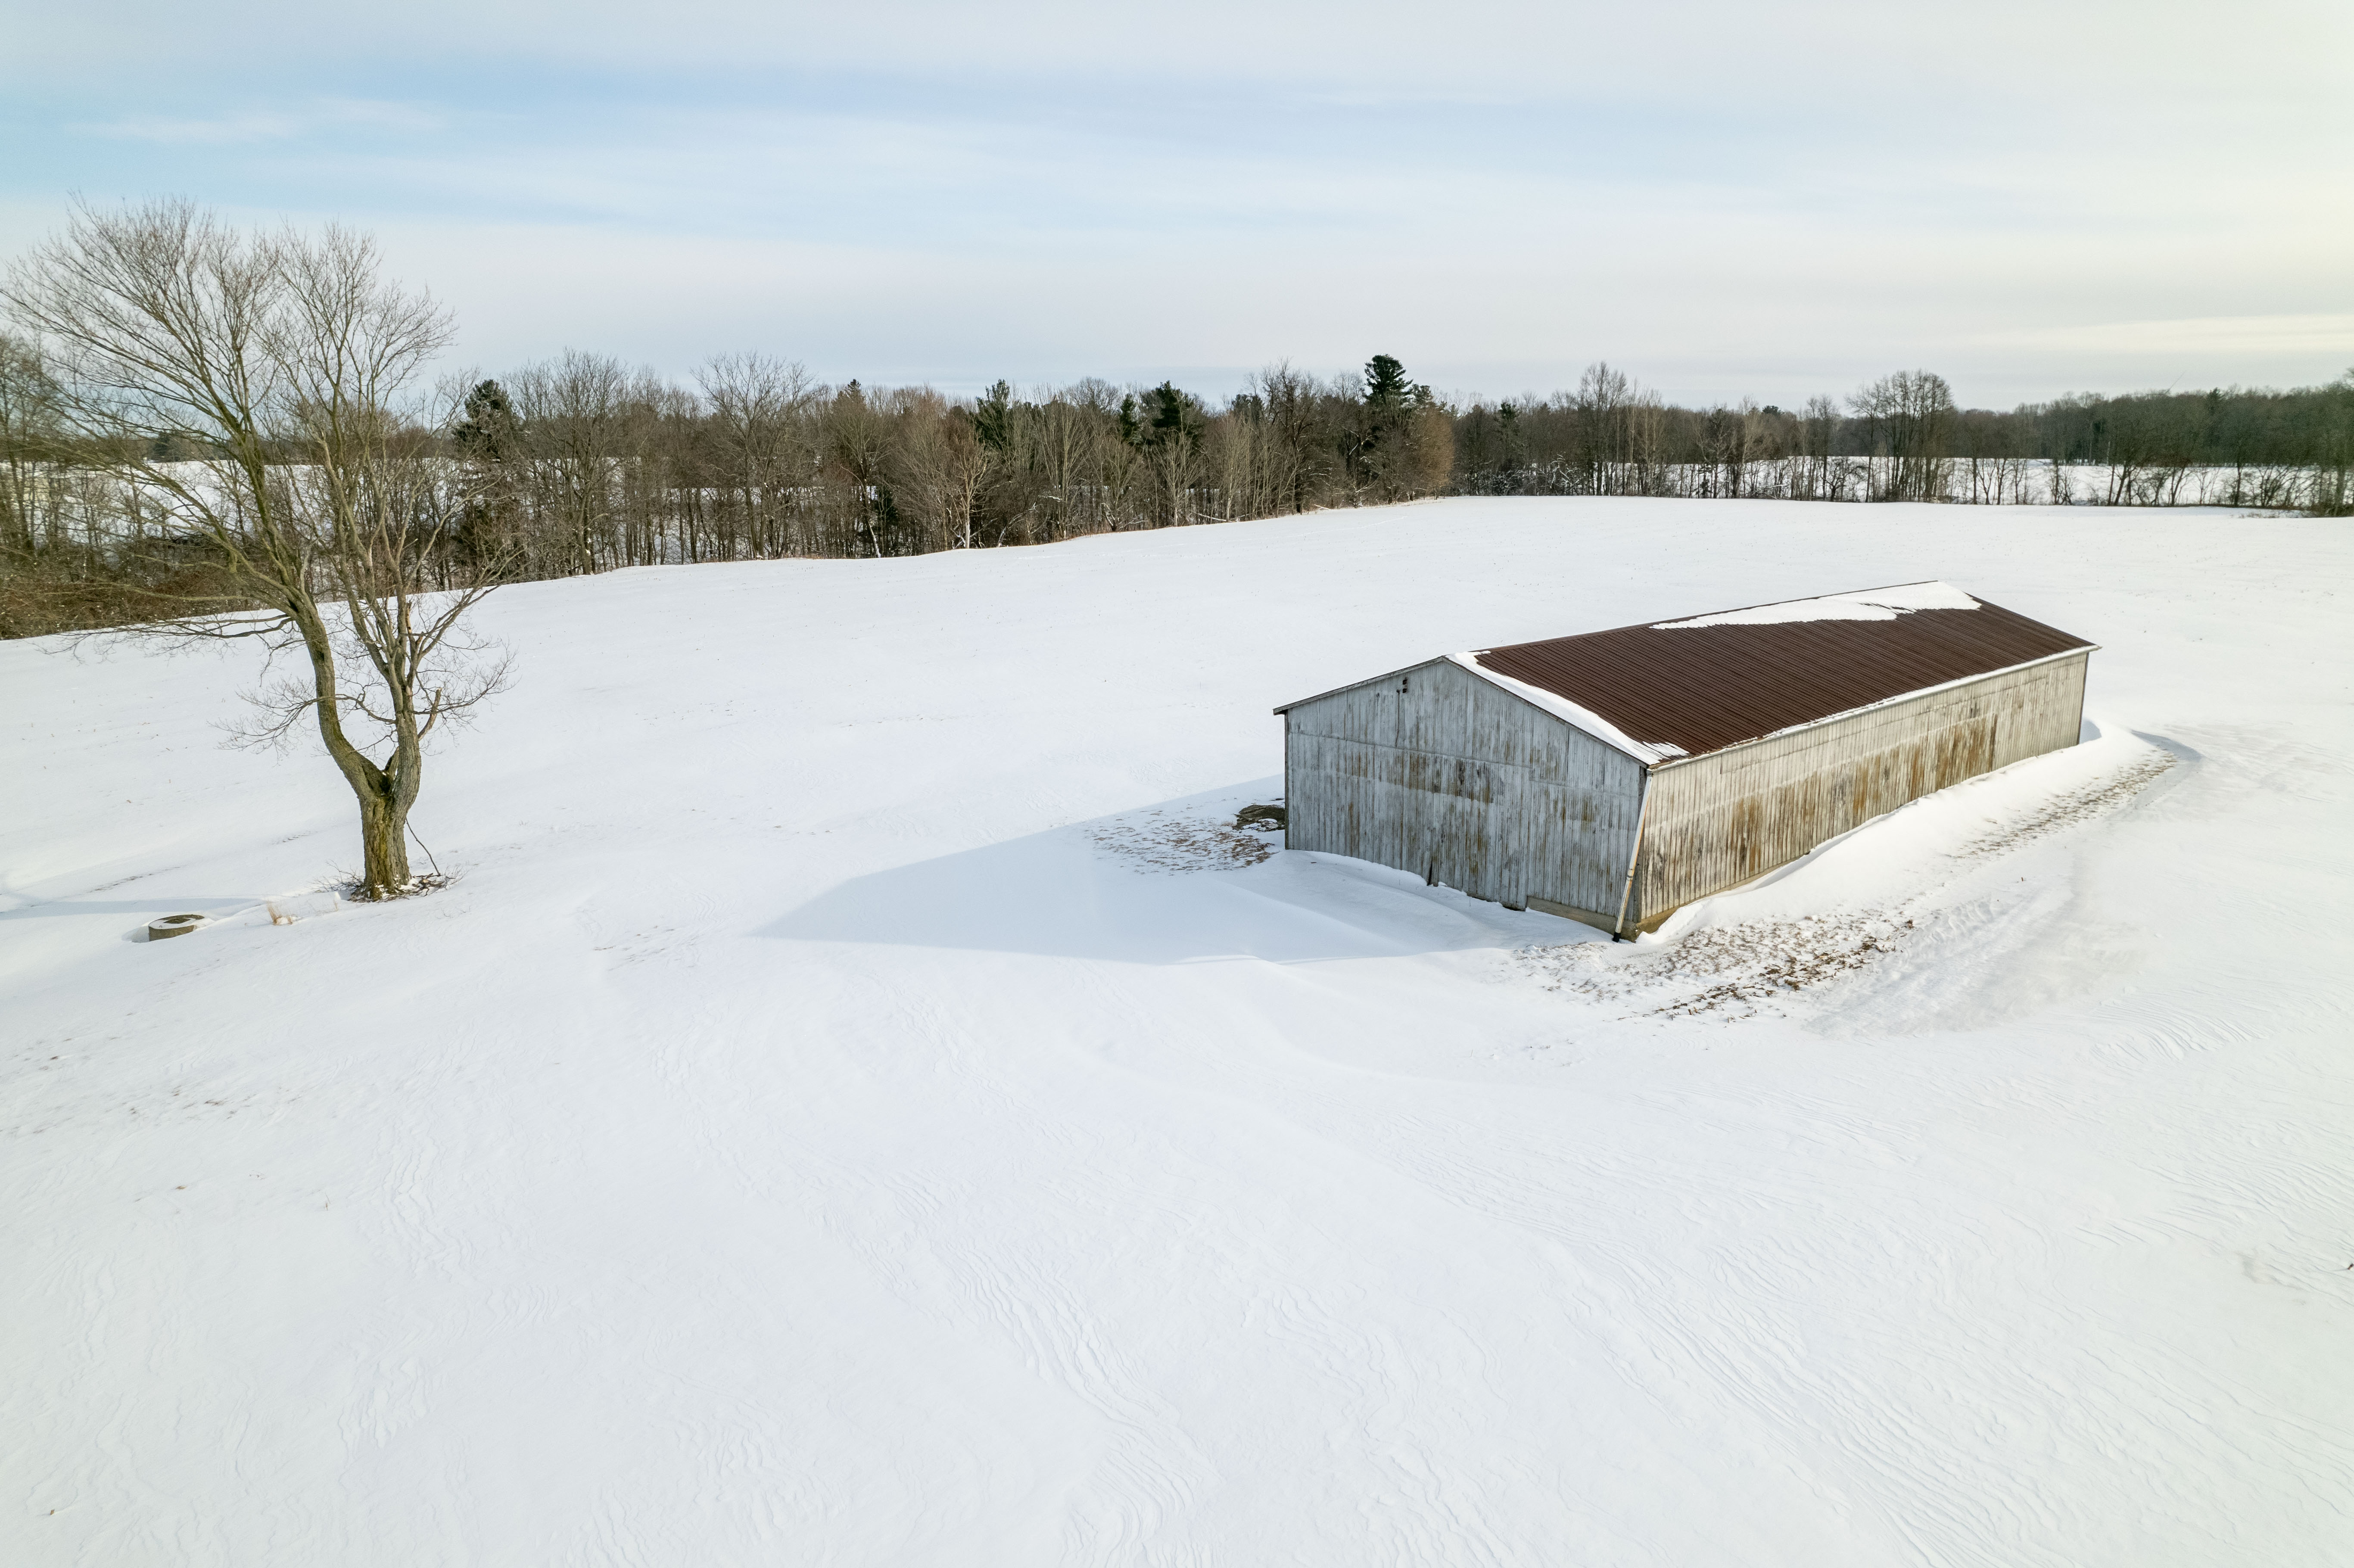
859,1106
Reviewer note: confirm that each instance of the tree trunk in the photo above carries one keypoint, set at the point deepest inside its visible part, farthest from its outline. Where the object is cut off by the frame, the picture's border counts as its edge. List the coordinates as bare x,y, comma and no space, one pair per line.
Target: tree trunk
385,794
384,839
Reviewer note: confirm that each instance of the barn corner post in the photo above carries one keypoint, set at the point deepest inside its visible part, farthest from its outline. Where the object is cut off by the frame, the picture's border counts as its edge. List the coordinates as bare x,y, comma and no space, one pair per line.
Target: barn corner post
1633,858
1289,804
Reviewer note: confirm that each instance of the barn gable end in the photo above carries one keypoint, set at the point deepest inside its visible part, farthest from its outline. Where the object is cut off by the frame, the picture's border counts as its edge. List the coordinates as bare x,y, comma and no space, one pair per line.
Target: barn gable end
1434,770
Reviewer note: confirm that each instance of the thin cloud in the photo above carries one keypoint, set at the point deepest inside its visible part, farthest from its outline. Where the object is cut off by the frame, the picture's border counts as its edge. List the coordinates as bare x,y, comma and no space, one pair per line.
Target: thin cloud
1777,201
213,133
322,116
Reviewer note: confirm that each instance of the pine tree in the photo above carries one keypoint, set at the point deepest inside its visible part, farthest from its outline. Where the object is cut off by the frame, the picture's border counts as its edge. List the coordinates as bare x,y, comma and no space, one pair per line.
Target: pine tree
489,429
992,418
1386,389
1175,416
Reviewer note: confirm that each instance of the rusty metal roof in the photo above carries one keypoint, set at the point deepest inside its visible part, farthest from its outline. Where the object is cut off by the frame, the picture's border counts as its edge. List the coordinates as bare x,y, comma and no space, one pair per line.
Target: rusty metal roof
1712,680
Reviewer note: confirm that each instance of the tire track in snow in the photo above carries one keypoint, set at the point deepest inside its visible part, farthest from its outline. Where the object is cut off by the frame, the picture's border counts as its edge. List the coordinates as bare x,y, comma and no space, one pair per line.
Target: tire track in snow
1932,1417
1153,1468
909,1214
1433,1511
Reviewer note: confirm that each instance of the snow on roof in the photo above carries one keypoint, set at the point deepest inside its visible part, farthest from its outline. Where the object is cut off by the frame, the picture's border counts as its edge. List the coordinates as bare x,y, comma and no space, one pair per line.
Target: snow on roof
1561,707
1684,688
1869,604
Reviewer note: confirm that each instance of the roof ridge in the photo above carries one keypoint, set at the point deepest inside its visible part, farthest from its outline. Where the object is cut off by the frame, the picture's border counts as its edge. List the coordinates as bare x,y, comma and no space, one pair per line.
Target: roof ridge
1738,610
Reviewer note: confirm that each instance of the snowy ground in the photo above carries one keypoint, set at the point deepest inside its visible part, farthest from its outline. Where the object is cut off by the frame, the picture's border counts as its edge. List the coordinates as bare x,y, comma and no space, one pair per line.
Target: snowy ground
859,1106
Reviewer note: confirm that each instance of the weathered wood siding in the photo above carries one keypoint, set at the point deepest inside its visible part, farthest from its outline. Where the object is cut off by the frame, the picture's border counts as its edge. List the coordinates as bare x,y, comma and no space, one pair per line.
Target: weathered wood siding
1718,821
1440,773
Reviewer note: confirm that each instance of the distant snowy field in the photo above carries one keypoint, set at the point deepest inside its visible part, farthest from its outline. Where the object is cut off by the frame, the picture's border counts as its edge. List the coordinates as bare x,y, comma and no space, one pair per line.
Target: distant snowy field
858,1106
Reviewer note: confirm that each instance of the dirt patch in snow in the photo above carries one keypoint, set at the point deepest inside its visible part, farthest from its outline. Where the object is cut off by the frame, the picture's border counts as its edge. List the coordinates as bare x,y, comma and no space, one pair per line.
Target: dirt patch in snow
1174,842
1733,971
1742,970
2068,808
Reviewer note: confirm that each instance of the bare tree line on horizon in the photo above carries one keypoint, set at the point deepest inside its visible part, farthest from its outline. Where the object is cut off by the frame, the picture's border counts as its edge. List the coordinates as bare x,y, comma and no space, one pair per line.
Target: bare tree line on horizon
581,463
1904,438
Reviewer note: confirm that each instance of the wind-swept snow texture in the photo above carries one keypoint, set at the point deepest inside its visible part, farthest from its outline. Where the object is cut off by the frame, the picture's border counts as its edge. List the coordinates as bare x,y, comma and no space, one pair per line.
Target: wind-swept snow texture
862,1104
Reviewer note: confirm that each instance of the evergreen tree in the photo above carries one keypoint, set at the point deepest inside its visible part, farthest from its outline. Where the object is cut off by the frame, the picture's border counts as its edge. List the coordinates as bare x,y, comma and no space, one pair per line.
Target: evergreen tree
1176,416
488,432
1386,389
992,418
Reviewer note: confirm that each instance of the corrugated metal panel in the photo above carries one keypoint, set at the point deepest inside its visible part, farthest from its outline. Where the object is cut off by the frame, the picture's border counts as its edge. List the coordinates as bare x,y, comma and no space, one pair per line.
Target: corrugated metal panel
1700,689
1437,772
1717,821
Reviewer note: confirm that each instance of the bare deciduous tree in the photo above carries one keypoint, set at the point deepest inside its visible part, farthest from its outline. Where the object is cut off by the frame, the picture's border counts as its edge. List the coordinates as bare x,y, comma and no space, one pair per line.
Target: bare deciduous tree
1908,420
758,409
31,437
858,448
1068,440
938,467
279,362
575,413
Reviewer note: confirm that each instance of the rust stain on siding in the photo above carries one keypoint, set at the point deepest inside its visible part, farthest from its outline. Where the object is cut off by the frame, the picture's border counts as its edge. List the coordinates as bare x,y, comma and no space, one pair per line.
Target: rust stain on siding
1717,821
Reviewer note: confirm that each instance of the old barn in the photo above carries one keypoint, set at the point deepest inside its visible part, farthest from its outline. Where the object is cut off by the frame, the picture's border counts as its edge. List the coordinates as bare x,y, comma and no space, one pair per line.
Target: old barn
1612,777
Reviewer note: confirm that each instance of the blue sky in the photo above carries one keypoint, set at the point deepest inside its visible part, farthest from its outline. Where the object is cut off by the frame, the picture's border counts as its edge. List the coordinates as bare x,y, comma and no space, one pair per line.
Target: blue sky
1727,199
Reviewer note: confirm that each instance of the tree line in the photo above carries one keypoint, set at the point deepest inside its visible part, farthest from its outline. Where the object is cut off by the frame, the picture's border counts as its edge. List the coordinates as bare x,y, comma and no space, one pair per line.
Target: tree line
1904,438
582,464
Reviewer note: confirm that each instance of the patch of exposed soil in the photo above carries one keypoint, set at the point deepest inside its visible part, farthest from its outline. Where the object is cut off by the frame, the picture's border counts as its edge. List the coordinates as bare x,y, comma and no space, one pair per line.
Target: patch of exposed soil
2067,810
1735,971
1739,972
1174,843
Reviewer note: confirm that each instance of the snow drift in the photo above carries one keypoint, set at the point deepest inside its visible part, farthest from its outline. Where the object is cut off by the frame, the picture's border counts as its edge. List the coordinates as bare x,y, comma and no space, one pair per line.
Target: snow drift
863,1103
